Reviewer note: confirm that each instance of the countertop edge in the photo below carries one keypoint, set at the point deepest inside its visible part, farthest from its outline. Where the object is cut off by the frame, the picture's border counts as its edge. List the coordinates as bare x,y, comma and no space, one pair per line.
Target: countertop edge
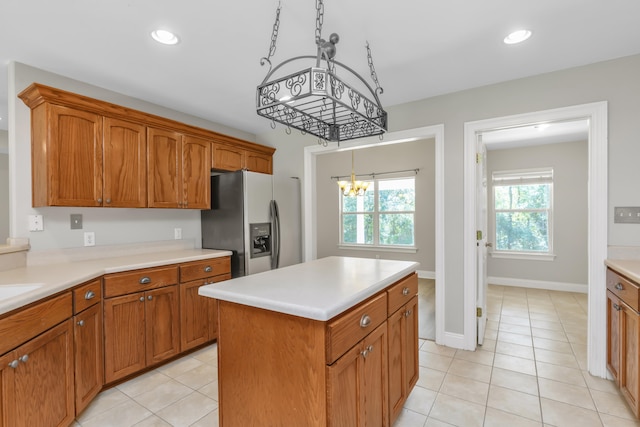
80,272
626,267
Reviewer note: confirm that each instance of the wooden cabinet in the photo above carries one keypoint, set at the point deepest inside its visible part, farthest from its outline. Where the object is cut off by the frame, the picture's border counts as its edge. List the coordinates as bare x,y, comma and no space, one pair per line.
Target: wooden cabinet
357,384
198,314
87,152
141,320
403,343
178,170
623,336
233,158
36,378
88,343
307,372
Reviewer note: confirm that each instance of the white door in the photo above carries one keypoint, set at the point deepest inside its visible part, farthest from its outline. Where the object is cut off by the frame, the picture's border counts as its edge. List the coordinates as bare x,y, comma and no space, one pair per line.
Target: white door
482,241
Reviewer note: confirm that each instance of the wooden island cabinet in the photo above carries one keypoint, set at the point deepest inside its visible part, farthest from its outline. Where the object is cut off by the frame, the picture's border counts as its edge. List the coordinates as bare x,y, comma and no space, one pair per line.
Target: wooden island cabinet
286,357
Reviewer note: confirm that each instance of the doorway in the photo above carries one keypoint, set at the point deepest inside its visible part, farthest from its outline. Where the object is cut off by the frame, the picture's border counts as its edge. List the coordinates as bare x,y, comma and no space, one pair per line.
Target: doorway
596,116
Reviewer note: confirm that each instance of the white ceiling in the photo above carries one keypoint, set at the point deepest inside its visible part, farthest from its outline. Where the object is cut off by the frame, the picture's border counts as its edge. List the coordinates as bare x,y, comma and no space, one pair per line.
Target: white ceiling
420,48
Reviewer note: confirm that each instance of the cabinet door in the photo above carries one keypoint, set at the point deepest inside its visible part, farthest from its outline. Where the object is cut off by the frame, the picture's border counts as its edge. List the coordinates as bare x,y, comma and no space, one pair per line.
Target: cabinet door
629,373
228,158
397,326
411,355
7,391
195,315
89,356
124,347
196,173
258,162
44,379
613,335
164,169
125,164
375,380
162,324
75,158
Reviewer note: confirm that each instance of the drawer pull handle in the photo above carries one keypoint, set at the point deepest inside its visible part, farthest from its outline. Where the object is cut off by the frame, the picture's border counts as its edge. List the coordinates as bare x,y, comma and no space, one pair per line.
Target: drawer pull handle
616,306
208,269
89,295
81,323
619,286
24,358
13,364
365,321
145,280
405,291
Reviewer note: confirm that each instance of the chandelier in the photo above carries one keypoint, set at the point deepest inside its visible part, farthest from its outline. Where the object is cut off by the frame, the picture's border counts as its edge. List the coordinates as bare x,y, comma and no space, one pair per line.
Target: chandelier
316,100
353,188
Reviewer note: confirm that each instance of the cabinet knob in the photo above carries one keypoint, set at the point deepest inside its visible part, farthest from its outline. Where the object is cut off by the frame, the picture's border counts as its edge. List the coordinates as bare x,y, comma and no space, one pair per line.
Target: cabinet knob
150,297
405,291
208,269
81,323
100,200
89,295
13,364
619,286
142,299
366,351
407,313
145,280
108,200
365,321
24,358
616,306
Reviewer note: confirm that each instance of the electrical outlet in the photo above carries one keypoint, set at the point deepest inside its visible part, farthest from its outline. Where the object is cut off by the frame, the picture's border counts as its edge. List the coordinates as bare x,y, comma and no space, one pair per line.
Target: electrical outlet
76,221
89,238
36,223
177,233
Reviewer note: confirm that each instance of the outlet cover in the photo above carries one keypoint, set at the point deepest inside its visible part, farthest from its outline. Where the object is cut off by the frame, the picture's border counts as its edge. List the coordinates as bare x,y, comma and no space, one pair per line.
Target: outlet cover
177,233
36,223
89,238
76,221
627,215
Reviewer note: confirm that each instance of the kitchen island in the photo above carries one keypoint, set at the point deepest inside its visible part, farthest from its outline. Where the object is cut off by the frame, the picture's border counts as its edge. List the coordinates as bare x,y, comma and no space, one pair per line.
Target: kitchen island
331,342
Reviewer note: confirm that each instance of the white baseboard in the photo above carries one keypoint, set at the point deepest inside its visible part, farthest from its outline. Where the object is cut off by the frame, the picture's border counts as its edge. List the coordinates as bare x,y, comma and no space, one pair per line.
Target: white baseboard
423,274
539,284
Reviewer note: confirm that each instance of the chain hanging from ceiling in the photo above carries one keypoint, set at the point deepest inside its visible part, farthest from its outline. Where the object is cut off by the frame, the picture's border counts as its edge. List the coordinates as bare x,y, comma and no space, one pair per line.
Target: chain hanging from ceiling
316,100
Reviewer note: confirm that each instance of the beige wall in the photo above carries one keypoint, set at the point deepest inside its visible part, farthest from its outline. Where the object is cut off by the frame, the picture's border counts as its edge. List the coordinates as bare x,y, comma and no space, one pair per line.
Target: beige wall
412,155
613,81
569,163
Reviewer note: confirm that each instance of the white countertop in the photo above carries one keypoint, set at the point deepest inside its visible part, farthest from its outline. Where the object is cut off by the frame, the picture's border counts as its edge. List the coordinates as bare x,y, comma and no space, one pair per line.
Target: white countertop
48,279
318,290
626,267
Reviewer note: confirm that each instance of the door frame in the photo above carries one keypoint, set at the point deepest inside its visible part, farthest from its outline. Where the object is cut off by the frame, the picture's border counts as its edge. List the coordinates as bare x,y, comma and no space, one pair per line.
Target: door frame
596,114
309,202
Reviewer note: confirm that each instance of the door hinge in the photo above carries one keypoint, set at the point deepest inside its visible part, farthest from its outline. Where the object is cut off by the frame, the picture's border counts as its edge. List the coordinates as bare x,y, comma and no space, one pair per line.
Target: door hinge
478,234
478,158
479,311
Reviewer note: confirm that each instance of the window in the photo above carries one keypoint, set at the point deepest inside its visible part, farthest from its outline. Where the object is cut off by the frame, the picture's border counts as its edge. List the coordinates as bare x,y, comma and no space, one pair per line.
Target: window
383,217
523,211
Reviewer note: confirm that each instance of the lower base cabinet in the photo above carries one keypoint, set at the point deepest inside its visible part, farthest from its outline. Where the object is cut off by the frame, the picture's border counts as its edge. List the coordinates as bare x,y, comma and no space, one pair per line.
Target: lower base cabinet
89,356
37,381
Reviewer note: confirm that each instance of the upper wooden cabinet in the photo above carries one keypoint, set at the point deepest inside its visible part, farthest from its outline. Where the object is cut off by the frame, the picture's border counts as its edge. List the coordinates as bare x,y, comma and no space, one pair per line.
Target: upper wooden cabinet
179,170
87,152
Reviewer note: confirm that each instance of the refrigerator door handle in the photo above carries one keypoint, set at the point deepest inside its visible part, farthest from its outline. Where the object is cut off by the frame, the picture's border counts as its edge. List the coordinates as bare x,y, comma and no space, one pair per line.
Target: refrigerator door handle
275,235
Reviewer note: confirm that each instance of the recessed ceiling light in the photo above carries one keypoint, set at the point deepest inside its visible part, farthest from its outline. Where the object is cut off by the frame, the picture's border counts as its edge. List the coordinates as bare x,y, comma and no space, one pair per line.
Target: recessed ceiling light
517,36
164,37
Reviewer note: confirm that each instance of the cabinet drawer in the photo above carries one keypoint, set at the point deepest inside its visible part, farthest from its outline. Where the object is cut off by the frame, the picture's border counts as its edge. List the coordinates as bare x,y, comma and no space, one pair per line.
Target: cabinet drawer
206,268
402,292
139,280
344,331
25,324
623,288
86,295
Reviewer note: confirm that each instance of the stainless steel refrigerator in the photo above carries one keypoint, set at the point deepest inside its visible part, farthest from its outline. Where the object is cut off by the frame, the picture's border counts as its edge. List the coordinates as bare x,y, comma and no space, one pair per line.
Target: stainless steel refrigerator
257,217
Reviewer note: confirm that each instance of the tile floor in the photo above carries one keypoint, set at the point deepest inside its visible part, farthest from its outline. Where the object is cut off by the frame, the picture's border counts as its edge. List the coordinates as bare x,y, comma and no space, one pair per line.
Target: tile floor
529,372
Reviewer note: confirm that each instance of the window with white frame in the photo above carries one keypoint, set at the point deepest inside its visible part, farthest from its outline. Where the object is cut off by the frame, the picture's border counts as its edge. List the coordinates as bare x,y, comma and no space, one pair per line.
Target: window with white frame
523,202
384,216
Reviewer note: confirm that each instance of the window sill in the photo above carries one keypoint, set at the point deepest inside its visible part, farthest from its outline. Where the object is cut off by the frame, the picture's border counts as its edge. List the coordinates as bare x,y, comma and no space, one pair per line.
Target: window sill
398,249
524,255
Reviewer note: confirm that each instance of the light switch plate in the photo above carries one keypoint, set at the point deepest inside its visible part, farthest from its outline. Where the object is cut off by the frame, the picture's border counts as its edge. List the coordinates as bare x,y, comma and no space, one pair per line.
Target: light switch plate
76,221
36,223
627,215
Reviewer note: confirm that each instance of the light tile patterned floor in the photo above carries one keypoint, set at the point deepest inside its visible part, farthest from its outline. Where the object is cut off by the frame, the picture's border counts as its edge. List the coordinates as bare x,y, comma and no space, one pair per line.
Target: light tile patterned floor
531,371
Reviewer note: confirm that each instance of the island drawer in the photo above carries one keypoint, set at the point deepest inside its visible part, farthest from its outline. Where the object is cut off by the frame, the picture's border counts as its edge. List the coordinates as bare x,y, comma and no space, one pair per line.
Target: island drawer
139,280
205,268
623,288
87,295
346,330
401,293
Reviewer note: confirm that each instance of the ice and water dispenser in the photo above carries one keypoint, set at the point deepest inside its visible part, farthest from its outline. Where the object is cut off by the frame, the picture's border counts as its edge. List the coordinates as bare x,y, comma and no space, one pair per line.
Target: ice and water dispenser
260,235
